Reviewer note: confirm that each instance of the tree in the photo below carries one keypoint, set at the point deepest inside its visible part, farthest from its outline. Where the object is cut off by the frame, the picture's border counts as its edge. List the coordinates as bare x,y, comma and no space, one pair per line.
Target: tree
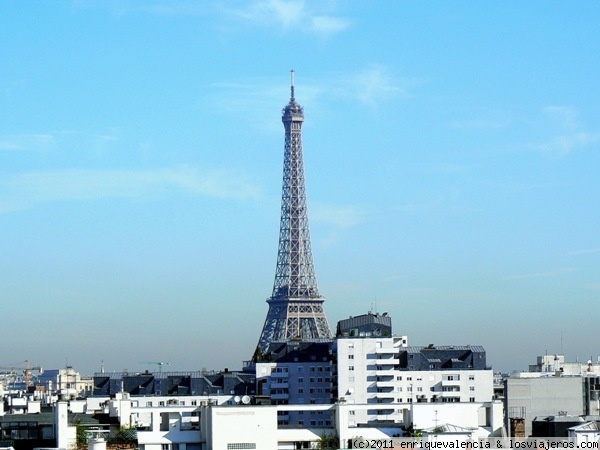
328,441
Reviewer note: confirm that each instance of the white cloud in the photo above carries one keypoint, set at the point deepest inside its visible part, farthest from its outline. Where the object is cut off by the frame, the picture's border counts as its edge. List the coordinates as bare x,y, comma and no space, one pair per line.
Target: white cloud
329,25
290,15
585,251
549,274
22,191
375,85
568,132
340,216
27,141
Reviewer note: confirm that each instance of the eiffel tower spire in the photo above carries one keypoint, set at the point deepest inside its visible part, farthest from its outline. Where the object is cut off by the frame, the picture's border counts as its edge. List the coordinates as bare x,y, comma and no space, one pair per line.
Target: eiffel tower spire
295,307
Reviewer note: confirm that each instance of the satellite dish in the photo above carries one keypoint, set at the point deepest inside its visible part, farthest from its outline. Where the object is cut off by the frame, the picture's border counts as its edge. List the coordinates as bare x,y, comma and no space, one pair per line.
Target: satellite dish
246,400
237,399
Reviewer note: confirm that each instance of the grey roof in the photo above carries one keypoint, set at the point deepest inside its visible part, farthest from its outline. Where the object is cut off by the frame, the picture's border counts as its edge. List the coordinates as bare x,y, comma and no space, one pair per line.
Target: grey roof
473,348
588,426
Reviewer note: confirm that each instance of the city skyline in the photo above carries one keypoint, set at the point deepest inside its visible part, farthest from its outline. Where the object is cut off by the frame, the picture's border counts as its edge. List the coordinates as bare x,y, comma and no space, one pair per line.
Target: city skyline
451,158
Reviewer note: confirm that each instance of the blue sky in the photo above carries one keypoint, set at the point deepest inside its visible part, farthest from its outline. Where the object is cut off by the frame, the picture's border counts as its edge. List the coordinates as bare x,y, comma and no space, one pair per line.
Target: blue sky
452,163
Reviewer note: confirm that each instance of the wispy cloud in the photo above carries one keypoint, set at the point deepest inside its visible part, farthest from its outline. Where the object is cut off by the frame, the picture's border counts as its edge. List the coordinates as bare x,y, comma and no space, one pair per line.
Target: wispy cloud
549,274
26,142
585,251
374,85
153,7
25,190
568,132
341,216
337,219
258,100
291,15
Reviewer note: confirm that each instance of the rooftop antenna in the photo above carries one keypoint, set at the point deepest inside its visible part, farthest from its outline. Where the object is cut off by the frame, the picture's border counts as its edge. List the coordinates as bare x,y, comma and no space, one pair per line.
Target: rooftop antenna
292,71
561,343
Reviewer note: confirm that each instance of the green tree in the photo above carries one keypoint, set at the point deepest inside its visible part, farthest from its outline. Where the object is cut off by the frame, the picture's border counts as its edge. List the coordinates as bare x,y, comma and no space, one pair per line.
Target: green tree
328,441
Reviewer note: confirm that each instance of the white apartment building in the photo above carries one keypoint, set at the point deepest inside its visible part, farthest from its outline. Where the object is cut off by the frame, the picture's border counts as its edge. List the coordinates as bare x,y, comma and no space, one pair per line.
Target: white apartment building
386,380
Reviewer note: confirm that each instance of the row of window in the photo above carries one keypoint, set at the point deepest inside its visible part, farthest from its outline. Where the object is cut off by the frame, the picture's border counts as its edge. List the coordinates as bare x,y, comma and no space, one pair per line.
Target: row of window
301,369
313,390
420,378
169,402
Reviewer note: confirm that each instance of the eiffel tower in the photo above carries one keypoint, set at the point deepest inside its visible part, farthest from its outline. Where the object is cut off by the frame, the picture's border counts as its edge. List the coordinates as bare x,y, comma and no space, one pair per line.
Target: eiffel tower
295,306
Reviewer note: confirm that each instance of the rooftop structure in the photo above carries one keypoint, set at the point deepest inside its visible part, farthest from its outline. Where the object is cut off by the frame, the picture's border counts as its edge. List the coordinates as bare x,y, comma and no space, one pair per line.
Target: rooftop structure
365,325
295,306
466,357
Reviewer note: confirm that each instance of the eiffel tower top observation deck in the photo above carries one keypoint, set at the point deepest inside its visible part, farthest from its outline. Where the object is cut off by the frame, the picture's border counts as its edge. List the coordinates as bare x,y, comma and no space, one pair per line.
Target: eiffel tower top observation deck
295,307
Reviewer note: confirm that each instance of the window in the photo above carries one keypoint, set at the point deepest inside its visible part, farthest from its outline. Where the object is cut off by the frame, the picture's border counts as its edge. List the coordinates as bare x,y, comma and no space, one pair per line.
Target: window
350,368
300,379
398,378
471,377
472,399
237,446
399,389
419,389
300,390
471,388
350,356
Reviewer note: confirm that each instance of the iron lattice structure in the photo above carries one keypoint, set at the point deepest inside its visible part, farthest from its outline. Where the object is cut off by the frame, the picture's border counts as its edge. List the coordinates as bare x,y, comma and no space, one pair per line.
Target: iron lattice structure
295,307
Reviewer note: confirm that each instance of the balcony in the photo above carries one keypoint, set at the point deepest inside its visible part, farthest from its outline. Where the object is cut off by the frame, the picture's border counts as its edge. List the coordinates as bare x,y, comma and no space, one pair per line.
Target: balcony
384,372
279,374
387,362
285,396
386,395
386,351
280,385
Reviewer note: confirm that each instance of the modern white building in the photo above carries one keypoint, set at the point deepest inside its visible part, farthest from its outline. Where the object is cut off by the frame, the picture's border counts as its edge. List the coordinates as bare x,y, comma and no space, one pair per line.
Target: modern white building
392,383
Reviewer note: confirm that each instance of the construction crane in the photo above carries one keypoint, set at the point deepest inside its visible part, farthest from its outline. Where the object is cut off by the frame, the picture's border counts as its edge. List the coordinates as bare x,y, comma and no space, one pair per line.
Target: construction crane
160,364
26,370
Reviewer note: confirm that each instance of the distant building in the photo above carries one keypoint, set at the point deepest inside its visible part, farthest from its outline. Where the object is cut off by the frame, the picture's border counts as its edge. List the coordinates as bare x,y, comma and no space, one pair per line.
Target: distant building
557,364
551,388
174,383
65,381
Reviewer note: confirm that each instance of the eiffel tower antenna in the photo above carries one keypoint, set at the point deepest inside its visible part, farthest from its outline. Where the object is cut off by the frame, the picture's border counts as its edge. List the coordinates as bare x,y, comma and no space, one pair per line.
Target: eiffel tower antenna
295,306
